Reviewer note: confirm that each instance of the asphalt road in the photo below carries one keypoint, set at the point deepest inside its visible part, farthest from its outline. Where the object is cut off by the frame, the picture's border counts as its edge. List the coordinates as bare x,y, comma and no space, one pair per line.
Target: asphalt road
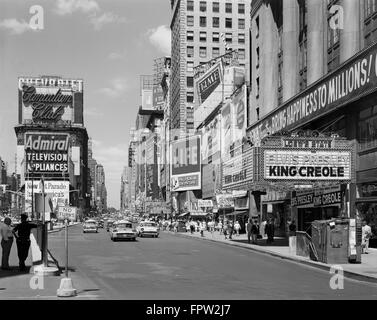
174,268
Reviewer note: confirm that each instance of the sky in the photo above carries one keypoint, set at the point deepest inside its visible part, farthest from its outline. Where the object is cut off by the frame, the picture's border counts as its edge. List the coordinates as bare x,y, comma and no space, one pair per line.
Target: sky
107,43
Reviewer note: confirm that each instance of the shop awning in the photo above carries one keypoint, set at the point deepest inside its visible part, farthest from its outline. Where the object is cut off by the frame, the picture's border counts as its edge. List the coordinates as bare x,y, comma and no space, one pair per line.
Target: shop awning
236,213
183,214
199,214
275,202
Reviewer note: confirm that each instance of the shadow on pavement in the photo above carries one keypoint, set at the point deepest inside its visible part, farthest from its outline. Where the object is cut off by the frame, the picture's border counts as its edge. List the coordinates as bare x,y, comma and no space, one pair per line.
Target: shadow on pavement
263,242
13,271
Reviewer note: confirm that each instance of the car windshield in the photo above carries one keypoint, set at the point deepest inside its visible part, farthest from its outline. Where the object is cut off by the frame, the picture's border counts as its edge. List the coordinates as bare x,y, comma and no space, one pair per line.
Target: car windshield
148,224
124,225
91,222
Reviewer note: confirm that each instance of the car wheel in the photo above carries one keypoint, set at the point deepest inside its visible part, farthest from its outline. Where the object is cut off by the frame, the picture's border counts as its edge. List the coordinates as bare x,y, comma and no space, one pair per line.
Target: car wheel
141,235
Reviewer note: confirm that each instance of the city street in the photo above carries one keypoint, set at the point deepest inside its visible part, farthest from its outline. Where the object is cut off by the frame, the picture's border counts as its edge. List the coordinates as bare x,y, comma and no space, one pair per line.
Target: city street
172,267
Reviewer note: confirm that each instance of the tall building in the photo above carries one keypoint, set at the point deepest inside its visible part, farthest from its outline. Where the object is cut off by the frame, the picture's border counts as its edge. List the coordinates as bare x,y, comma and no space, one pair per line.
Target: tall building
92,163
313,67
52,141
125,196
101,192
201,31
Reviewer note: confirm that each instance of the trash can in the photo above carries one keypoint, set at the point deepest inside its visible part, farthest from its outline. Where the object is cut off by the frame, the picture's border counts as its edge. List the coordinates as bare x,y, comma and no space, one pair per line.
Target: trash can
335,241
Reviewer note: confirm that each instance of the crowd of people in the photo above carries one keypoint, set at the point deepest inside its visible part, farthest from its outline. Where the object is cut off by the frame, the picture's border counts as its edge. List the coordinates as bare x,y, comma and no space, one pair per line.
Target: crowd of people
227,228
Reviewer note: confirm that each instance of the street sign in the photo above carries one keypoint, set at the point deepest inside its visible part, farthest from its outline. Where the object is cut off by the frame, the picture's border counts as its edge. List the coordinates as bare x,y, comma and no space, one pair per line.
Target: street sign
67,213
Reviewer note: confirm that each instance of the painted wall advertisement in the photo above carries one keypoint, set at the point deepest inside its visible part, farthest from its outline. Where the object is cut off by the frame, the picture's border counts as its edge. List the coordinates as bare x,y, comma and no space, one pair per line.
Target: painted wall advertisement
46,153
233,123
58,189
186,164
50,100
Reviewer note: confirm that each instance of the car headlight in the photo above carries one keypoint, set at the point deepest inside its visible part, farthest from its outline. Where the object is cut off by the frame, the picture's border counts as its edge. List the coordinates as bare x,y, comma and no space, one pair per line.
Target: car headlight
142,229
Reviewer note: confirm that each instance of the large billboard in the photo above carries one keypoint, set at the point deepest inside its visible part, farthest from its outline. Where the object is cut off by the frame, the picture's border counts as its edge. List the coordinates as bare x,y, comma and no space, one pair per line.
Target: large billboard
58,189
233,128
46,153
49,100
186,164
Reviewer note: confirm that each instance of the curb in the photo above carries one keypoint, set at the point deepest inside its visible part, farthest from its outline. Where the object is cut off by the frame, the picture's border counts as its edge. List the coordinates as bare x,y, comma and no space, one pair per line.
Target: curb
57,230
318,265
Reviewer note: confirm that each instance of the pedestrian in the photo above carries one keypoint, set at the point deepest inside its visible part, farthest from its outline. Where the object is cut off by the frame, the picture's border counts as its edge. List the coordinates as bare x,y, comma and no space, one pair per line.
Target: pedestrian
202,228
292,237
269,230
366,234
237,228
254,233
6,242
192,227
22,234
230,229
220,227
249,225
225,229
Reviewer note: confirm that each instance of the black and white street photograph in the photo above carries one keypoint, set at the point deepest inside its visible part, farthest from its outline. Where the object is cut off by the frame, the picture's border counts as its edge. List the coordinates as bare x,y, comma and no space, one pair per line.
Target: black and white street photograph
180,156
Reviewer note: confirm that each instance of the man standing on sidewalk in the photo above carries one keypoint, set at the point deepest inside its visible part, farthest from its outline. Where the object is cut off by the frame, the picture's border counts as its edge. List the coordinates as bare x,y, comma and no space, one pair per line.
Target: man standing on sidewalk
248,230
22,234
366,233
6,242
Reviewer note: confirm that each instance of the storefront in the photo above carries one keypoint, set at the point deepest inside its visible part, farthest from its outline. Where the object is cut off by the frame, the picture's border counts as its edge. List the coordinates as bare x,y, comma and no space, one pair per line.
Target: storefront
317,204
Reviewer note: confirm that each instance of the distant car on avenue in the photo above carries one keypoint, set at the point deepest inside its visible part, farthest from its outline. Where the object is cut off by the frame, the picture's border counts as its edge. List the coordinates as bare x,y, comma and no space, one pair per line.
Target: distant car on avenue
109,225
90,226
123,230
148,228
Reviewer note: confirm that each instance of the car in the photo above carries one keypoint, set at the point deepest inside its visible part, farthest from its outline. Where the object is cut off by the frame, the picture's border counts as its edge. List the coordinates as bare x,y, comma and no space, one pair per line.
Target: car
109,225
122,230
90,226
100,223
148,228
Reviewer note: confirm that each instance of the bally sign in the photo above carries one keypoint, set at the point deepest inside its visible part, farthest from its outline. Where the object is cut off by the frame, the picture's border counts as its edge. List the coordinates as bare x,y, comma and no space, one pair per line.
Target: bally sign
209,82
357,78
282,164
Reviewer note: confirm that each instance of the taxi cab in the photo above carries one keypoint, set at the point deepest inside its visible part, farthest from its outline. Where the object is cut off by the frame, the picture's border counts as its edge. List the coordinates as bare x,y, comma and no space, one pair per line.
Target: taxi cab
90,226
123,230
148,228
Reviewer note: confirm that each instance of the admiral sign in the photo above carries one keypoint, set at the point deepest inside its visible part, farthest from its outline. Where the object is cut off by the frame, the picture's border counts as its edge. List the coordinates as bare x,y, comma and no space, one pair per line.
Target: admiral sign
355,79
46,152
209,82
186,164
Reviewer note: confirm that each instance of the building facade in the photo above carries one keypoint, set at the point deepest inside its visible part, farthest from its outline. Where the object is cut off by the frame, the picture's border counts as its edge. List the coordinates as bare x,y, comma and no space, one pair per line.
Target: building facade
52,141
310,69
201,30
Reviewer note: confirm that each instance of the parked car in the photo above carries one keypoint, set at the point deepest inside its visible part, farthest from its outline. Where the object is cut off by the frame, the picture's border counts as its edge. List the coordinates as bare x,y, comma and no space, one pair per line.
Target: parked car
90,226
123,230
148,228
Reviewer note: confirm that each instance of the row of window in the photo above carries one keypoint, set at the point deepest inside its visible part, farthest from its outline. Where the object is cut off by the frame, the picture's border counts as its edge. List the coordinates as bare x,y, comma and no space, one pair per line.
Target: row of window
215,52
215,7
215,22
215,37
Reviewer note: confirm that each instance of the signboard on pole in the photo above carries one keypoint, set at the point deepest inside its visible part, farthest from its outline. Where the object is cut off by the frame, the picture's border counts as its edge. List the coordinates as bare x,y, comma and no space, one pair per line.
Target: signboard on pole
67,213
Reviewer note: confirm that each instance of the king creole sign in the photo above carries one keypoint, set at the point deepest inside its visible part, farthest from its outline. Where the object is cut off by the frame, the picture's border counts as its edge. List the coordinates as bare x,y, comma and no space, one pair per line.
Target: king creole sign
323,159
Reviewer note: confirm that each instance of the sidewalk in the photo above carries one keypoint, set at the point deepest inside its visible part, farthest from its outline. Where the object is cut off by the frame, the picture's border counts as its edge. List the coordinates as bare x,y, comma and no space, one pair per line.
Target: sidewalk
366,271
16,285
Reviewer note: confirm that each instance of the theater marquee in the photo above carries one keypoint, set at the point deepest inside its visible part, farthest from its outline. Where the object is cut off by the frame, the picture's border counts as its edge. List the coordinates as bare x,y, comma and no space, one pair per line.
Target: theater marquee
305,160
